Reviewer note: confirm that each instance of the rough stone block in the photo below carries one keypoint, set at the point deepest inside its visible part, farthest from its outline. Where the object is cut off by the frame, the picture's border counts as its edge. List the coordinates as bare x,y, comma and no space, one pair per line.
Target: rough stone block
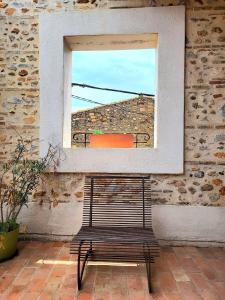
22,70
204,106
205,27
22,34
205,145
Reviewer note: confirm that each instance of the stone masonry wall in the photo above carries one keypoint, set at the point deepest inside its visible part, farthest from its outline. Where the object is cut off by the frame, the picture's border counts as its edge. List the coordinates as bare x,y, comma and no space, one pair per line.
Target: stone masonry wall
128,116
203,181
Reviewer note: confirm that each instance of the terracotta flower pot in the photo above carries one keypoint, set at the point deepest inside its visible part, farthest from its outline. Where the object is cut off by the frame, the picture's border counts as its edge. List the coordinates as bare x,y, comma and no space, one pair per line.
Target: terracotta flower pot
8,244
111,140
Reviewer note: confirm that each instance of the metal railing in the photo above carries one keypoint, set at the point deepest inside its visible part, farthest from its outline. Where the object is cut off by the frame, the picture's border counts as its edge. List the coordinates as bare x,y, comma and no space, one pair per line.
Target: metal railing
83,138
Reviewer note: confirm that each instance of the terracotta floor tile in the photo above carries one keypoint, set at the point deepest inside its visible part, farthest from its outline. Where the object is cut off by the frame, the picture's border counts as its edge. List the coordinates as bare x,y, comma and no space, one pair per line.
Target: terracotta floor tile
180,273
52,286
102,296
85,296
216,264
173,262
137,295
13,293
5,282
221,276
104,269
200,281
24,276
14,270
209,272
69,281
36,285
219,253
102,281
156,296
135,282
158,292
209,295
120,295
91,273
220,286
57,275
207,252
26,253
181,252
67,291
161,265
189,265
172,295
167,281
188,291
65,296
46,296
30,296
192,251
166,250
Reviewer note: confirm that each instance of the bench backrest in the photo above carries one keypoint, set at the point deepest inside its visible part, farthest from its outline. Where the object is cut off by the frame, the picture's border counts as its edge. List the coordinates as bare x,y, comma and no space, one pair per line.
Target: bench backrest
117,201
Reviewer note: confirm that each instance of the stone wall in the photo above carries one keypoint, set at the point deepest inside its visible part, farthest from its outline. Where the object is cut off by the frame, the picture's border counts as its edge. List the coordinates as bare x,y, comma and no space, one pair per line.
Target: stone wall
203,181
128,116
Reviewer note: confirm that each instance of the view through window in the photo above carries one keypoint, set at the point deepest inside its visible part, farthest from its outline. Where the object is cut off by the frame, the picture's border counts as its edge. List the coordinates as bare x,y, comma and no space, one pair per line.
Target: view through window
113,98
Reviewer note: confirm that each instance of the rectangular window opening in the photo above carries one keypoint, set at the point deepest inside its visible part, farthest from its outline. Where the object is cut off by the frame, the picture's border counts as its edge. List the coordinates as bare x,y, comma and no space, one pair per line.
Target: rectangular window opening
102,118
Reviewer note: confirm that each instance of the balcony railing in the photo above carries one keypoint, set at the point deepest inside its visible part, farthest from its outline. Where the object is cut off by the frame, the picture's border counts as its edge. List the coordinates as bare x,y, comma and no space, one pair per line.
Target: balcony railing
83,138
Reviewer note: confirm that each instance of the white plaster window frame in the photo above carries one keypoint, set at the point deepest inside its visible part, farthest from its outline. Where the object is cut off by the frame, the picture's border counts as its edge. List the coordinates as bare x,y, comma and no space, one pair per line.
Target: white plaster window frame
55,88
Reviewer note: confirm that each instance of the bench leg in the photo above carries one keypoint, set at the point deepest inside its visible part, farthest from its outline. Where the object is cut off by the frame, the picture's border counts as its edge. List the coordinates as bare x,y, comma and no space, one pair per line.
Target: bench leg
148,269
80,269
147,255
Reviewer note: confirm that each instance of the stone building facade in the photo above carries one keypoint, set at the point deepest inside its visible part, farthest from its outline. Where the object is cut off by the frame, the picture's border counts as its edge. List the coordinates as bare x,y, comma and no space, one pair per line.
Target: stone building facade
134,116
203,181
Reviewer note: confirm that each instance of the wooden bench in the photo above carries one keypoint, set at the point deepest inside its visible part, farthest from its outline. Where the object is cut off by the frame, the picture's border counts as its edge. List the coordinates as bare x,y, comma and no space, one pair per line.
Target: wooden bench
117,223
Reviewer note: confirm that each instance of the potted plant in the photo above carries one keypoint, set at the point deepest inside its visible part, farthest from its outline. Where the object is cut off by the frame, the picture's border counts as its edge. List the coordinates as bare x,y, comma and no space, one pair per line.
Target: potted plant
19,177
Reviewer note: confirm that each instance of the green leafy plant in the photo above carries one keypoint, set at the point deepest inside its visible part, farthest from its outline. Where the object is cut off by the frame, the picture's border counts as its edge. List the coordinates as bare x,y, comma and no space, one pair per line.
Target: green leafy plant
97,131
19,177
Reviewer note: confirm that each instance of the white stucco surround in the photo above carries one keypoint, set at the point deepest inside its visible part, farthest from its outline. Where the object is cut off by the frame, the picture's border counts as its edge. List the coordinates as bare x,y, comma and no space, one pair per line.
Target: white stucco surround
172,224
169,24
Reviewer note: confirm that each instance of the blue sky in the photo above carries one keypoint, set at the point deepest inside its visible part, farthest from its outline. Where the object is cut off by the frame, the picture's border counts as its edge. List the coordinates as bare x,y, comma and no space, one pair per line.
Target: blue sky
132,70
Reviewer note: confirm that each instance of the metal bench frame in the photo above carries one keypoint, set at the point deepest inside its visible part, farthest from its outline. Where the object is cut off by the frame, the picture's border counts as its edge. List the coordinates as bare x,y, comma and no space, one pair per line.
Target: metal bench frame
117,223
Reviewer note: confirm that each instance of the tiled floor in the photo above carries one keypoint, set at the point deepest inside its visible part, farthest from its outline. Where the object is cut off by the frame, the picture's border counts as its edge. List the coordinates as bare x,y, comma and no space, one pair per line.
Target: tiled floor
47,271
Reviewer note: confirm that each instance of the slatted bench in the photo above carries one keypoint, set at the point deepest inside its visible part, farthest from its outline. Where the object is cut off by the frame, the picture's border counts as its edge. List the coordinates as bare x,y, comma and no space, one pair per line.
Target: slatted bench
117,223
